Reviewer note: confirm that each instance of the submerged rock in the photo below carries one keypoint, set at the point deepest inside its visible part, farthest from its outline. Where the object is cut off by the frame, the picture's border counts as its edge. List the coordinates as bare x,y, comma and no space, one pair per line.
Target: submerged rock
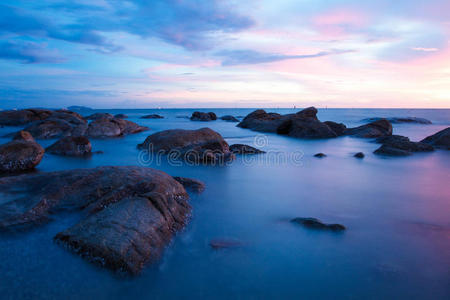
153,116
314,223
359,155
201,116
229,118
202,145
23,116
397,145
98,116
244,149
59,124
112,127
71,146
320,155
217,244
193,185
21,154
440,139
132,212
120,116
399,120
372,130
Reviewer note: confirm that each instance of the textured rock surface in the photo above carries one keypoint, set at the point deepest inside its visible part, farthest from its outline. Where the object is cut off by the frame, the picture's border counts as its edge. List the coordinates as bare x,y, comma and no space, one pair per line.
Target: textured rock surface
440,139
229,118
201,116
244,149
314,223
58,124
397,145
71,146
372,130
202,145
112,127
21,154
22,117
98,116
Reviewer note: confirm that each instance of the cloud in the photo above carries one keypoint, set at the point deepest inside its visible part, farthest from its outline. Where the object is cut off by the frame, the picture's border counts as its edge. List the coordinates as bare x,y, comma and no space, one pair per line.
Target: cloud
246,57
425,49
29,52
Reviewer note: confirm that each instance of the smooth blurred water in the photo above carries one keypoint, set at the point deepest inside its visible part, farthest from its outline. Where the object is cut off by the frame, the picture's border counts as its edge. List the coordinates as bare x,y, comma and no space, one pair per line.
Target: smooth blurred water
397,211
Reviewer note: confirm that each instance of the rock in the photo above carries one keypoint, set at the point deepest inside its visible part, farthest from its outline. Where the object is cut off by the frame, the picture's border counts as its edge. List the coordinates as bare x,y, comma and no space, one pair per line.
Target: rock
193,185
153,116
112,127
320,155
440,139
201,116
57,125
303,124
244,149
21,154
229,118
132,212
399,120
359,155
202,145
217,244
314,223
121,116
375,129
98,116
23,116
71,146
397,145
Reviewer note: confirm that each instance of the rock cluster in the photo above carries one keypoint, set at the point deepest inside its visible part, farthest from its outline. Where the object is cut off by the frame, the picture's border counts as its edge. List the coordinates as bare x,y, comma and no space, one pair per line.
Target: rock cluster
202,116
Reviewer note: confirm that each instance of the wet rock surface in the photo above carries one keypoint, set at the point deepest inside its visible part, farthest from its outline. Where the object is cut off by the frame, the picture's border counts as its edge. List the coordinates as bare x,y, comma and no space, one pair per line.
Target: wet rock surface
153,116
112,127
190,184
131,212
229,118
224,243
374,129
397,145
23,116
98,116
244,149
202,145
359,155
202,116
320,155
314,223
440,139
71,146
21,154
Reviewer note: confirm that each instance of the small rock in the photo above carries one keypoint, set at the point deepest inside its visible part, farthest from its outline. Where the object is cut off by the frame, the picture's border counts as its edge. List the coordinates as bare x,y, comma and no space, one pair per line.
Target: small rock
201,116
121,116
229,118
153,116
244,149
21,154
113,127
375,129
191,184
217,244
314,223
320,155
359,155
71,146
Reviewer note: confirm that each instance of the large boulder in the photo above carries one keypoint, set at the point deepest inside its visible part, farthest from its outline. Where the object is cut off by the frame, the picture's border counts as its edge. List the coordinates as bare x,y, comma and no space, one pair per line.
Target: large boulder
202,145
375,129
112,127
440,139
397,145
23,116
132,212
71,146
201,116
260,120
21,154
58,124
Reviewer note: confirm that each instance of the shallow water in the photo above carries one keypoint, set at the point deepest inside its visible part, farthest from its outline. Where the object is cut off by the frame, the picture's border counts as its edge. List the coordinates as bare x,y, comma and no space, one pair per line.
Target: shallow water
397,211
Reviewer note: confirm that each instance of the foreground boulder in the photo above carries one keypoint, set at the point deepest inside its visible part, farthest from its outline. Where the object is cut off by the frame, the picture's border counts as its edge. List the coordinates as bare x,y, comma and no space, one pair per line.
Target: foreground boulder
21,154
202,145
244,149
71,146
23,116
440,139
201,116
303,124
314,223
375,129
400,120
153,116
132,212
112,127
397,145
229,118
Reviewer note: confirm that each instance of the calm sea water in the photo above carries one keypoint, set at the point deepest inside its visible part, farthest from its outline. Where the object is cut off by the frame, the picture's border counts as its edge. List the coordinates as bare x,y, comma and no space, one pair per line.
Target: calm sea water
397,211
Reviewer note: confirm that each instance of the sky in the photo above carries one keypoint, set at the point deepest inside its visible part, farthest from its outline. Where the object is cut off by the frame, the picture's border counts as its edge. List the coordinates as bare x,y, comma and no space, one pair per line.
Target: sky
219,53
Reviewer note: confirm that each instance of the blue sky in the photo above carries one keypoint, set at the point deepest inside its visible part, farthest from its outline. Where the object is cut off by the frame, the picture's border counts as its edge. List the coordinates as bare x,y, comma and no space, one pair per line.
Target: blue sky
256,53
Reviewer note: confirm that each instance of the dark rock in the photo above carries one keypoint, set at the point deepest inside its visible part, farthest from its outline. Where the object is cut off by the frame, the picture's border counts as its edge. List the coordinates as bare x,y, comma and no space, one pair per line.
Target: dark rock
440,139
244,149
314,223
320,155
201,116
260,120
22,117
21,154
79,108
399,120
120,116
375,129
309,112
58,124
397,145
359,155
229,118
98,116
338,128
153,116
132,212
71,146
202,145
112,127
193,185
217,244
309,128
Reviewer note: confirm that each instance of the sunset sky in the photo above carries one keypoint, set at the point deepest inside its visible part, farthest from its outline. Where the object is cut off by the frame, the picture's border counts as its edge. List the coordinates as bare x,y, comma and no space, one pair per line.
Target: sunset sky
254,53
